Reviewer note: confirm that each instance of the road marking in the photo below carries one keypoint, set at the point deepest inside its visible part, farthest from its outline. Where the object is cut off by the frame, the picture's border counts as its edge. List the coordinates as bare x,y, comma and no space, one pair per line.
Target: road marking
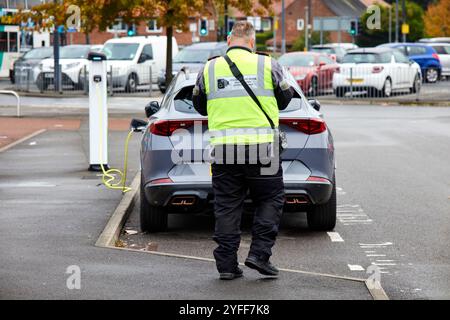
32,143
375,255
384,264
335,237
352,215
355,267
15,143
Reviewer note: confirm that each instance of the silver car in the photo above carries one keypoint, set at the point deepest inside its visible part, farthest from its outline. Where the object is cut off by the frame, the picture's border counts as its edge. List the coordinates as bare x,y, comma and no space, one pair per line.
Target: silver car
171,182
443,51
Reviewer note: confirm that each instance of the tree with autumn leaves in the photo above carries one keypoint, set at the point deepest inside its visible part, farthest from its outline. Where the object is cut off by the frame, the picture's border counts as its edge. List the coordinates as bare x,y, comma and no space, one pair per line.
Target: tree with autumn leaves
170,14
437,19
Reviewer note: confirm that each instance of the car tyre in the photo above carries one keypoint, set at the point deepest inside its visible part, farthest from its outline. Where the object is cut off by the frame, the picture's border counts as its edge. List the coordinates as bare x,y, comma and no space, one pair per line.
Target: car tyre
387,88
41,83
432,75
314,88
322,217
416,85
131,85
152,218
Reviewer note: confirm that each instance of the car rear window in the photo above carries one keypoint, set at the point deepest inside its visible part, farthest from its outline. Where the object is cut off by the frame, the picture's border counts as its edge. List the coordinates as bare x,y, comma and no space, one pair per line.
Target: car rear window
442,49
366,58
415,50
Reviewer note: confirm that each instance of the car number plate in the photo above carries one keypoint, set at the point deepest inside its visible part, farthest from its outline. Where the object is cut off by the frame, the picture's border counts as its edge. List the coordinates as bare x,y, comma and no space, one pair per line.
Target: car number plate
356,80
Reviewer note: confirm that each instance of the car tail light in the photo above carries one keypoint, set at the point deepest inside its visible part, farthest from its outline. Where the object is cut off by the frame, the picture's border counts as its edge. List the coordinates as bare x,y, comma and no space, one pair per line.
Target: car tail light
317,179
308,126
161,181
167,127
377,69
436,56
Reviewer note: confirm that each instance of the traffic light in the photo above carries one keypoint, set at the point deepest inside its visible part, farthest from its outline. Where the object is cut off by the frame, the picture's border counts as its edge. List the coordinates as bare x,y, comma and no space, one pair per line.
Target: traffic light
230,26
203,30
131,30
353,28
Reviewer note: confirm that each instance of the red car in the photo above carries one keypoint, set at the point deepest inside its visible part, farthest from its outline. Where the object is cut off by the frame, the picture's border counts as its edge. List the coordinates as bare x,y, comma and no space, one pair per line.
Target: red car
313,71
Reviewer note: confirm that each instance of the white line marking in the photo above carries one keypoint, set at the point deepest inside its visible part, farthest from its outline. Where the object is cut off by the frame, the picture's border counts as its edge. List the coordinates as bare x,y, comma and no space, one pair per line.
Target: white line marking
355,267
33,143
376,244
384,264
370,251
384,260
375,255
335,237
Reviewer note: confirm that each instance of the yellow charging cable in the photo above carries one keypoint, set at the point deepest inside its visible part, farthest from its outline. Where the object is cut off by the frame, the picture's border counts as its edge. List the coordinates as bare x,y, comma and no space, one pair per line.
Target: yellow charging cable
110,175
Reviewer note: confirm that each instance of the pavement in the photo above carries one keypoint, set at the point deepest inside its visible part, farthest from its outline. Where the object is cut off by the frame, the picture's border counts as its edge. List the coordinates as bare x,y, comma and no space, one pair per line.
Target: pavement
393,199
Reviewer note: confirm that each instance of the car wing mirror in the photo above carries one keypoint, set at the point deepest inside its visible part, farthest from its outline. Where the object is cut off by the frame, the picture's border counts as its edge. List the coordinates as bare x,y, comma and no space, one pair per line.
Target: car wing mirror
142,58
138,125
315,104
152,108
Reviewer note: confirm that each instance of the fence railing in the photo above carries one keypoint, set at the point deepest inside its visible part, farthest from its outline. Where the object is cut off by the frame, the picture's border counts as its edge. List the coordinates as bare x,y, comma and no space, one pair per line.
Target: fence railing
133,80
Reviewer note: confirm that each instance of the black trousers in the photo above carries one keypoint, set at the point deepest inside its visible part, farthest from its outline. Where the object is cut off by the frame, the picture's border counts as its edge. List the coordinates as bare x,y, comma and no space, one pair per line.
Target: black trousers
231,182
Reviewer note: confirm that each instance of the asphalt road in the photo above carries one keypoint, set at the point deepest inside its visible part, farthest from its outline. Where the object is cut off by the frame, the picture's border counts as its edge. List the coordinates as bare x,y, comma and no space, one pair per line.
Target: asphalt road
393,206
394,188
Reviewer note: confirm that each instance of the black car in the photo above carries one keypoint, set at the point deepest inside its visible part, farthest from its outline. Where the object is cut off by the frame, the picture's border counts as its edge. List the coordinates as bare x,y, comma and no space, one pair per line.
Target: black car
28,61
193,57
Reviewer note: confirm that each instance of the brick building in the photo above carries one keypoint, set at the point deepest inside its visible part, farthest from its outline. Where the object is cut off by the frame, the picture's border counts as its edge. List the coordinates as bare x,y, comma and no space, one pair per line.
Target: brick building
296,16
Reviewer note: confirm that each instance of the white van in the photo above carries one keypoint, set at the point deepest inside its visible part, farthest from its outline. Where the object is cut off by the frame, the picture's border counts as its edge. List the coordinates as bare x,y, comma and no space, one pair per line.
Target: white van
132,57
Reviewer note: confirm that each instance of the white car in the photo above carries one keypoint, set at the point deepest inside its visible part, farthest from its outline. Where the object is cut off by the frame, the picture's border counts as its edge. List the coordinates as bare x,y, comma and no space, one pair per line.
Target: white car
378,71
133,59
73,59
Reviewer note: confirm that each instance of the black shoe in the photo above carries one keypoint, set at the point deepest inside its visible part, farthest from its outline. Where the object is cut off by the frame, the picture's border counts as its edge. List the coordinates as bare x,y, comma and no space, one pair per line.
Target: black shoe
263,267
231,275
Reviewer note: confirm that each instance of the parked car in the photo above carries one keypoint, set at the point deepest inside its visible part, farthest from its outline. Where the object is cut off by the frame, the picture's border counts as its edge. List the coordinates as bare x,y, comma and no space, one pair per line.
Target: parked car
346,45
72,61
27,62
424,55
136,60
193,57
331,49
312,71
443,51
185,186
379,71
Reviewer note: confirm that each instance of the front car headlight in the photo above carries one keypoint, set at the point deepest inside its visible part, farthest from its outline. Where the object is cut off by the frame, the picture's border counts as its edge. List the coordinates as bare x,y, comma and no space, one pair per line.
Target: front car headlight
300,77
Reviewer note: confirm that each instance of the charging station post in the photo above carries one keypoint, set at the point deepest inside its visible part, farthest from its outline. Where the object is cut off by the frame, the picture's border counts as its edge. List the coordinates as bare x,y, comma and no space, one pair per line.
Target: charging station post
98,112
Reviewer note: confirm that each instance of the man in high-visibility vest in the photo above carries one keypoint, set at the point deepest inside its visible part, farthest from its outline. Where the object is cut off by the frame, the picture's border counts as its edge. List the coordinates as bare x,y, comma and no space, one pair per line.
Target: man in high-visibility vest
248,125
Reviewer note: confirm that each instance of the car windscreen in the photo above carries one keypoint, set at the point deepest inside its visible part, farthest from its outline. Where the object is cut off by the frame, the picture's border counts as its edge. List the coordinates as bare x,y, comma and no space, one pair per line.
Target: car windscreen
71,52
120,51
366,58
183,101
296,60
192,56
38,53
323,50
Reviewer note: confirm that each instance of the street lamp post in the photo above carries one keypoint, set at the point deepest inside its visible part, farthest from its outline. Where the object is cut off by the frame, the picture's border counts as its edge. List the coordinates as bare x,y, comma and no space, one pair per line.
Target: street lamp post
283,28
396,21
56,70
403,19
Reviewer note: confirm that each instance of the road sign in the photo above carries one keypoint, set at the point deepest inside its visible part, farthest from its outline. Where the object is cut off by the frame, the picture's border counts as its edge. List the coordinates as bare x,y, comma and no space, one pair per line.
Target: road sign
405,28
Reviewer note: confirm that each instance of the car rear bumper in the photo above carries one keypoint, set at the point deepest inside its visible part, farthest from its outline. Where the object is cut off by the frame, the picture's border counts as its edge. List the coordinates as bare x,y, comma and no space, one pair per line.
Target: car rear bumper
188,197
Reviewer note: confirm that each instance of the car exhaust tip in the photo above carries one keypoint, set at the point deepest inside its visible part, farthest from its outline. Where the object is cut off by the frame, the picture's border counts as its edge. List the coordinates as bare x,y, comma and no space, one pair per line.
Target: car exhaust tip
297,199
183,201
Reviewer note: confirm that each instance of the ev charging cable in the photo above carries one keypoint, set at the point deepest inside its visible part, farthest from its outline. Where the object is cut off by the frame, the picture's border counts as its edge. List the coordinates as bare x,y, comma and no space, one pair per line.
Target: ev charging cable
112,174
